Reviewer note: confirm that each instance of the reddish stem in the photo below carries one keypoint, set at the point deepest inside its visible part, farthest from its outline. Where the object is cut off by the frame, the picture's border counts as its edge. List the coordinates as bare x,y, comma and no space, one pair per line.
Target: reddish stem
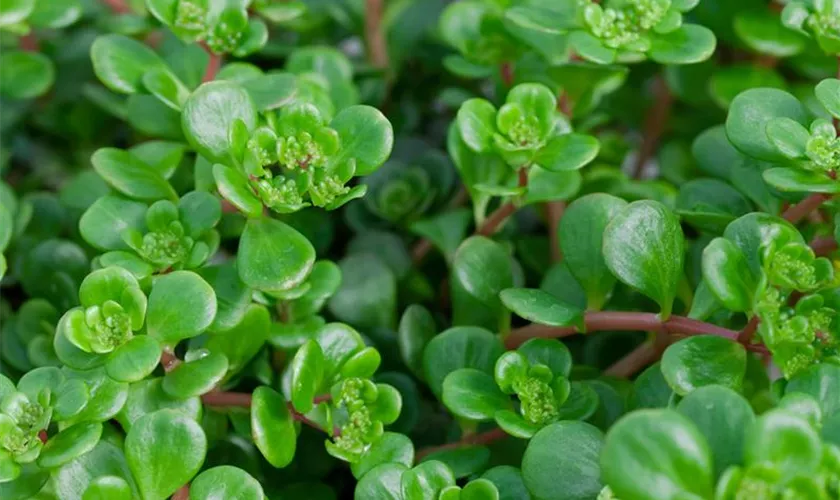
633,362
796,213
183,493
495,219
823,245
30,43
654,124
625,321
213,64
746,335
471,440
554,212
243,400
118,6
42,435
506,72
168,360
374,34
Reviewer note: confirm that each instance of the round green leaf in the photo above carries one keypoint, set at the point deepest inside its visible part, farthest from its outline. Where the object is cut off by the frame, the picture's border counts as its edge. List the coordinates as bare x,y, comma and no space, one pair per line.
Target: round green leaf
225,482
567,152
688,44
797,180
120,62
106,460
749,114
644,248
828,93
15,11
307,373
70,443
581,235
473,394
761,30
134,360
785,440
508,481
383,482
233,185
103,223
129,175
25,74
164,450
459,347
148,396
821,381
367,297
197,377
108,488
728,276
703,360
552,475
366,137
244,340
273,427
723,417
181,306
476,122
483,268
656,454
209,115
417,327
273,256
541,307
390,448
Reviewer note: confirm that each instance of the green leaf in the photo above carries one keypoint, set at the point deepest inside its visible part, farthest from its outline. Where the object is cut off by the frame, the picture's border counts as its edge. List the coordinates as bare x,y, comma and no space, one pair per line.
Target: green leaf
483,268
307,373
55,15
367,297
148,396
828,93
106,460
761,30
463,461
822,381
703,360
750,113
688,44
722,416
149,447
426,480
476,123
568,152
232,296
445,230
383,482
196,377
508,481
366,137
15,11
577,474
789,137
797,180
390,448
683,463
728,276
786,441
225,481
272,427
134,360
581,235
209,115
710,204
273,256
417,327
130,176
166,87
103,223
25,74
181,306
72,442
544,185
120,62
233,185
244,340
541,307
108,488
644,248
473,394
459,347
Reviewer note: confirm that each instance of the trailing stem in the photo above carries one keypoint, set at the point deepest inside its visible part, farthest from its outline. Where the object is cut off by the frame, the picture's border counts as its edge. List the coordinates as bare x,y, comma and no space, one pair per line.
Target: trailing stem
796,213
374,35
213,64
